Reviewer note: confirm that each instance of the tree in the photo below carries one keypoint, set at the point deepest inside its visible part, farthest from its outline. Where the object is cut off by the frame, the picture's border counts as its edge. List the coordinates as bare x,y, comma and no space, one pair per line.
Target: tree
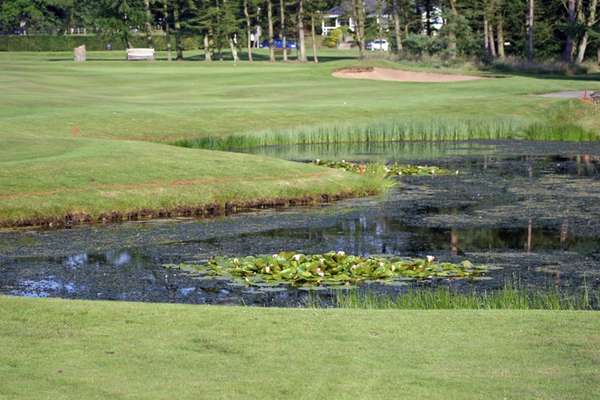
452,22
588,20
119,16
282,29
148,22
248,29
270,30
530,22
397,29
27,16
571,22
167,28
358,13
301,46
313,9
228,25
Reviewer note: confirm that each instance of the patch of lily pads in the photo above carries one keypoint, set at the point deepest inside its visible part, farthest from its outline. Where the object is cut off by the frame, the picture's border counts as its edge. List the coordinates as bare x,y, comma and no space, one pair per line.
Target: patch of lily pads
389,170
331,269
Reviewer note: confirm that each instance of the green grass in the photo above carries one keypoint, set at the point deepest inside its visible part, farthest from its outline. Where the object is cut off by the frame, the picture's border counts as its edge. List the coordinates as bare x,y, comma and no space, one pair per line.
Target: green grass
97,350
124,115
507,298
46,178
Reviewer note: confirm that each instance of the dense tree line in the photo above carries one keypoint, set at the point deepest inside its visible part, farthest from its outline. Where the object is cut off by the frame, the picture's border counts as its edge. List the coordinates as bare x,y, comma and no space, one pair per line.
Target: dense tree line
489,29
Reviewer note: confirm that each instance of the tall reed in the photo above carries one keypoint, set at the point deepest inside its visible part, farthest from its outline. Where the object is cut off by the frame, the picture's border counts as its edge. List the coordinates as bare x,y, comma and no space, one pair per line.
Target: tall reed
510,297
394,130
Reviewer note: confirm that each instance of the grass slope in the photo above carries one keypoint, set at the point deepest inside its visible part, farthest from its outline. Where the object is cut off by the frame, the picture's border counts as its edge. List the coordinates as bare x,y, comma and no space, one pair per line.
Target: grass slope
76,137
94,350
49,177
47,94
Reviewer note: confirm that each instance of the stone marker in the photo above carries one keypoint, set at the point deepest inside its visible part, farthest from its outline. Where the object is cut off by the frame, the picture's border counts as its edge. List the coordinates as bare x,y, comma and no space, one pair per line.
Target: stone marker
79,53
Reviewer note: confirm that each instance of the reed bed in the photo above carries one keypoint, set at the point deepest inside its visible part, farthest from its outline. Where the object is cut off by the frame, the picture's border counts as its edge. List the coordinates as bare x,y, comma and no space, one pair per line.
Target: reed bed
509,297
395,130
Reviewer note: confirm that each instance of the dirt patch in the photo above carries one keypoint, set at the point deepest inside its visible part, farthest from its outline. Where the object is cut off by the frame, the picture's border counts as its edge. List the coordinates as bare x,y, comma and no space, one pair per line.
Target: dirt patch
568,94
385,74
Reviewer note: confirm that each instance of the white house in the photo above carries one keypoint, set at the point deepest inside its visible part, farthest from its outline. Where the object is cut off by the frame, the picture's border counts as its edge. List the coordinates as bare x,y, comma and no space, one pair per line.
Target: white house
341,15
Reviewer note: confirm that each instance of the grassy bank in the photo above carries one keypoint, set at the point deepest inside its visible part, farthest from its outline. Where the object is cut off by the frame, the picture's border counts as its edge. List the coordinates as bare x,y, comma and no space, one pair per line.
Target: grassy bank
73,349
90,140
68,181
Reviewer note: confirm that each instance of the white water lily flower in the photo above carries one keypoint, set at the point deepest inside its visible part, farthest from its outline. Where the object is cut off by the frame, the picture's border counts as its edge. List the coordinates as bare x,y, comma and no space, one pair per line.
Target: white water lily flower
430,259
456,172
381,264
268,270
297,257
274,255
353,267
320,273
341,253
235,260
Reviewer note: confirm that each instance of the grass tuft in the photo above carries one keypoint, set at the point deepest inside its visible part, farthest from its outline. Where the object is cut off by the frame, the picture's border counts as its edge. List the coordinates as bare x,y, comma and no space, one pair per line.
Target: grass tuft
508,298
396,130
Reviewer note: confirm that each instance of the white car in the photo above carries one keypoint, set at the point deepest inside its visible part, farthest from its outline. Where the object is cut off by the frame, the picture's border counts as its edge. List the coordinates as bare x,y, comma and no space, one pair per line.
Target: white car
378,44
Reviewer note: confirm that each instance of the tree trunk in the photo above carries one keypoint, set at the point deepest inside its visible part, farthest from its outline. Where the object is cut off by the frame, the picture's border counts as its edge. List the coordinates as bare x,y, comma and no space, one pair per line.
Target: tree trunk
378,16
591,20
207,50
530,31
167,29
451,32
314,38
248,31
283,37
486,36
568,52
233,49
270,23
358,13
363,15
148,23
428,27
301,47
397,30
492,41
178,45
501,53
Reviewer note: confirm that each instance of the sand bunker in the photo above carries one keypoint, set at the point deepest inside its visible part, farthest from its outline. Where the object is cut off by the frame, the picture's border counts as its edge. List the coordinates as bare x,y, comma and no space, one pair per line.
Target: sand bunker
385,74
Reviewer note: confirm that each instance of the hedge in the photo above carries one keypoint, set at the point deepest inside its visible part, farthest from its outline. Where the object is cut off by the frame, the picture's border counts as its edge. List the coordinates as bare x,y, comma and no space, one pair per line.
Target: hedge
91,42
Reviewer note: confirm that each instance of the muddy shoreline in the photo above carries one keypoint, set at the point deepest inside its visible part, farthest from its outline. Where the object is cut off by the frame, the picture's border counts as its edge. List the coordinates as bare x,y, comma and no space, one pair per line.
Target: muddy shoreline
199,211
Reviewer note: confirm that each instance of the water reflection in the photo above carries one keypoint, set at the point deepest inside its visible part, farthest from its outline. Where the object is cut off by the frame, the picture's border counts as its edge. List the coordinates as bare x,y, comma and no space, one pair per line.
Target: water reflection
532,209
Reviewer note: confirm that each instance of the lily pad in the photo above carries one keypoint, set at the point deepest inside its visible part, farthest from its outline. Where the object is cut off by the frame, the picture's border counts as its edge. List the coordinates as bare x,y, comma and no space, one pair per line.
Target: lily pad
388,170
332,269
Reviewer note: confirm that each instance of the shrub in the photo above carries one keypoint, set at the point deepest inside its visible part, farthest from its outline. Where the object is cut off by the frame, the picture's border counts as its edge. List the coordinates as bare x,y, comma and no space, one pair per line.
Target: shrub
333,38
419,45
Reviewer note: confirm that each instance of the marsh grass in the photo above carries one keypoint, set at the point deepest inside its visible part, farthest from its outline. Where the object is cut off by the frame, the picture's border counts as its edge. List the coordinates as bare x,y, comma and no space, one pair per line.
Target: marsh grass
397,130
510,297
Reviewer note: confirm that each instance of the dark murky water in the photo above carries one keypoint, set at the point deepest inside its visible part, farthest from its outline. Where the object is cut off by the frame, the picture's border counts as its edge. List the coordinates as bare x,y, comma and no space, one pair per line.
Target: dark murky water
531,208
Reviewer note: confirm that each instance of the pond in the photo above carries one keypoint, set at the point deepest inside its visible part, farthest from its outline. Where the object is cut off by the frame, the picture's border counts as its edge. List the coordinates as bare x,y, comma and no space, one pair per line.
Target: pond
530,209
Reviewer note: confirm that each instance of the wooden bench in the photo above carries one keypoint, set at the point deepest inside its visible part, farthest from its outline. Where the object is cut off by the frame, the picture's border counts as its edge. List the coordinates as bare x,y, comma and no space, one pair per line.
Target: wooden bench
140,54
